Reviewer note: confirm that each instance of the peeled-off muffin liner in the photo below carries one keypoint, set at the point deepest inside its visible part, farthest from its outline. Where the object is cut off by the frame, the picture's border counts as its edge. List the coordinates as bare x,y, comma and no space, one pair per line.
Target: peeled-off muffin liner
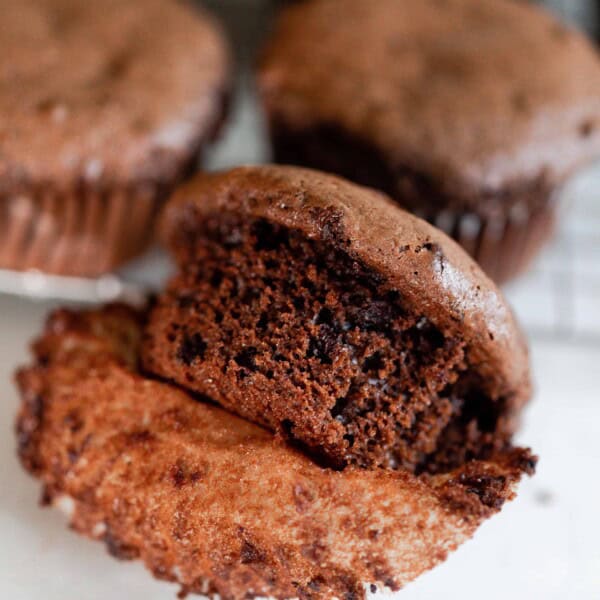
81,232
503,245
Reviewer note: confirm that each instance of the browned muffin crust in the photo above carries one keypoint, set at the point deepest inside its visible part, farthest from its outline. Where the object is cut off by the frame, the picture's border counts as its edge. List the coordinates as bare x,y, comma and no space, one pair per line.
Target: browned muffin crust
102,113
320,310
215,503
91,90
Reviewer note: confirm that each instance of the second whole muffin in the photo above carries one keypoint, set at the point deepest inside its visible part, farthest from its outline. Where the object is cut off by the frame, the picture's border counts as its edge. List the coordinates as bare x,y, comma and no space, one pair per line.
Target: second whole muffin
470,113
104,108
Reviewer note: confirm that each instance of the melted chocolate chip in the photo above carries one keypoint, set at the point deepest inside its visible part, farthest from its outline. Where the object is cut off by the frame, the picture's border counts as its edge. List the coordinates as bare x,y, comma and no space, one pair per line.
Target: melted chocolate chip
191,348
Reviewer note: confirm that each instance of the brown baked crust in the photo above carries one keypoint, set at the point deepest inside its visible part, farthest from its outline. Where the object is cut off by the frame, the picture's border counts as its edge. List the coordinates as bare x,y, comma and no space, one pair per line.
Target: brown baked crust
217,504
93,93
443,312
432,272
469,99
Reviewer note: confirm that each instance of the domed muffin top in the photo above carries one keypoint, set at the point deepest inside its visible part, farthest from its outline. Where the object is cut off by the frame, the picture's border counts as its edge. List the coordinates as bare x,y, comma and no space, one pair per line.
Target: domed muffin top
119,89
432,274
477,94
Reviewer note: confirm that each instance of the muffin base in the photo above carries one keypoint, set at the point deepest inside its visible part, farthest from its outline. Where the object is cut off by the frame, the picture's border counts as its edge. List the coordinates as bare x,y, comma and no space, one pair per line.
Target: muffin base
504,246
85,232
504,235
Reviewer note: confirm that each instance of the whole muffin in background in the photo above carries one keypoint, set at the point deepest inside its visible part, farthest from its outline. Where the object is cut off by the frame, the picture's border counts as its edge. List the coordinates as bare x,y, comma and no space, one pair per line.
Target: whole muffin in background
321,310
470,113
104,107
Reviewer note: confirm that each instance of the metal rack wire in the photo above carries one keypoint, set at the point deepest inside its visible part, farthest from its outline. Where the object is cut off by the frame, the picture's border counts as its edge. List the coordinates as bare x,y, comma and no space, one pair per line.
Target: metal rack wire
583,13
560,297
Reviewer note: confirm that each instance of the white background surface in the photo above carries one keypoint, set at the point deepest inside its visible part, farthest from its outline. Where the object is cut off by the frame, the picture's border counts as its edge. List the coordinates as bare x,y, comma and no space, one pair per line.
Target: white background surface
545,545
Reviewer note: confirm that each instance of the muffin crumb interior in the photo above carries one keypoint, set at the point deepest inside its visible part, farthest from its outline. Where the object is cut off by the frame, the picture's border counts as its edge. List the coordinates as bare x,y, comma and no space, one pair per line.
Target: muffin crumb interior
291,325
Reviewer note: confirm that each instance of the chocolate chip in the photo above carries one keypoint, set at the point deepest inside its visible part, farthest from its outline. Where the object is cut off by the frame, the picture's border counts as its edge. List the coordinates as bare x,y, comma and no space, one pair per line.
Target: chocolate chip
324,317
338,407
263,321
216,278
298,303
249,553
376,317
245,358
191,348
373,363
177,475
323,345
268,237
486,487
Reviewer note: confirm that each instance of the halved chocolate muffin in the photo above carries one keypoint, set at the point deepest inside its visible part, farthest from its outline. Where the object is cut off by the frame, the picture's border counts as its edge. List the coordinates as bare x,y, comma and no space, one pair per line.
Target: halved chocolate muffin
323,311
469,113
218,504
104,108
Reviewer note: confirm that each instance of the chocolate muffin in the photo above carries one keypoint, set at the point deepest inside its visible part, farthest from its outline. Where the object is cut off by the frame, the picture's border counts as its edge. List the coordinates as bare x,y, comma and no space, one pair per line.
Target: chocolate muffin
323,311
104,107
215,503
469,113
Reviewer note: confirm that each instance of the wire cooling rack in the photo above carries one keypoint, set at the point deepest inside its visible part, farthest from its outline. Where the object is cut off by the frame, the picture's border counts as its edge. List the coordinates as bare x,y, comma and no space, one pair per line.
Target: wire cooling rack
583,13
560,296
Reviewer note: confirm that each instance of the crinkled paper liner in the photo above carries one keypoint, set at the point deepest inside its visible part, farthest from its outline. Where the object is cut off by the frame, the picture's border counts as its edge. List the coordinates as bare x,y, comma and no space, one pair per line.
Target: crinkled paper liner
504,246
85,232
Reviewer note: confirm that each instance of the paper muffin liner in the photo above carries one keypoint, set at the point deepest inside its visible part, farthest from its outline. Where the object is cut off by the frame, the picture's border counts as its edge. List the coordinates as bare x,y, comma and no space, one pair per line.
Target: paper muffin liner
82,232
503,245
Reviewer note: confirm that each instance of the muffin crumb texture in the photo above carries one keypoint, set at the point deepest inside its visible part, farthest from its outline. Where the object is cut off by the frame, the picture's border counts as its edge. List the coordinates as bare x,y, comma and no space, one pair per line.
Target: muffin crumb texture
319,309
287,326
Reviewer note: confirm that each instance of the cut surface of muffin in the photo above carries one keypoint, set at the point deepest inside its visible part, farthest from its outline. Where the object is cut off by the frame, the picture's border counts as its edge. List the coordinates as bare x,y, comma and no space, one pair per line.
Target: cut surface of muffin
320,310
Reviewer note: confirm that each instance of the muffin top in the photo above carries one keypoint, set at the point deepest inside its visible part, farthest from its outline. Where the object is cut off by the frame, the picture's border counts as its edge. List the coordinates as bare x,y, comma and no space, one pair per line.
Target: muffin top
118,90
432,274
477,94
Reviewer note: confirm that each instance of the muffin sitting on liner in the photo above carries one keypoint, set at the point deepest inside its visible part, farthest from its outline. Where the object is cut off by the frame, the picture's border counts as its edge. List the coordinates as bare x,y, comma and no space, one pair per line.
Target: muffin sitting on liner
104,107
322,311
470,113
